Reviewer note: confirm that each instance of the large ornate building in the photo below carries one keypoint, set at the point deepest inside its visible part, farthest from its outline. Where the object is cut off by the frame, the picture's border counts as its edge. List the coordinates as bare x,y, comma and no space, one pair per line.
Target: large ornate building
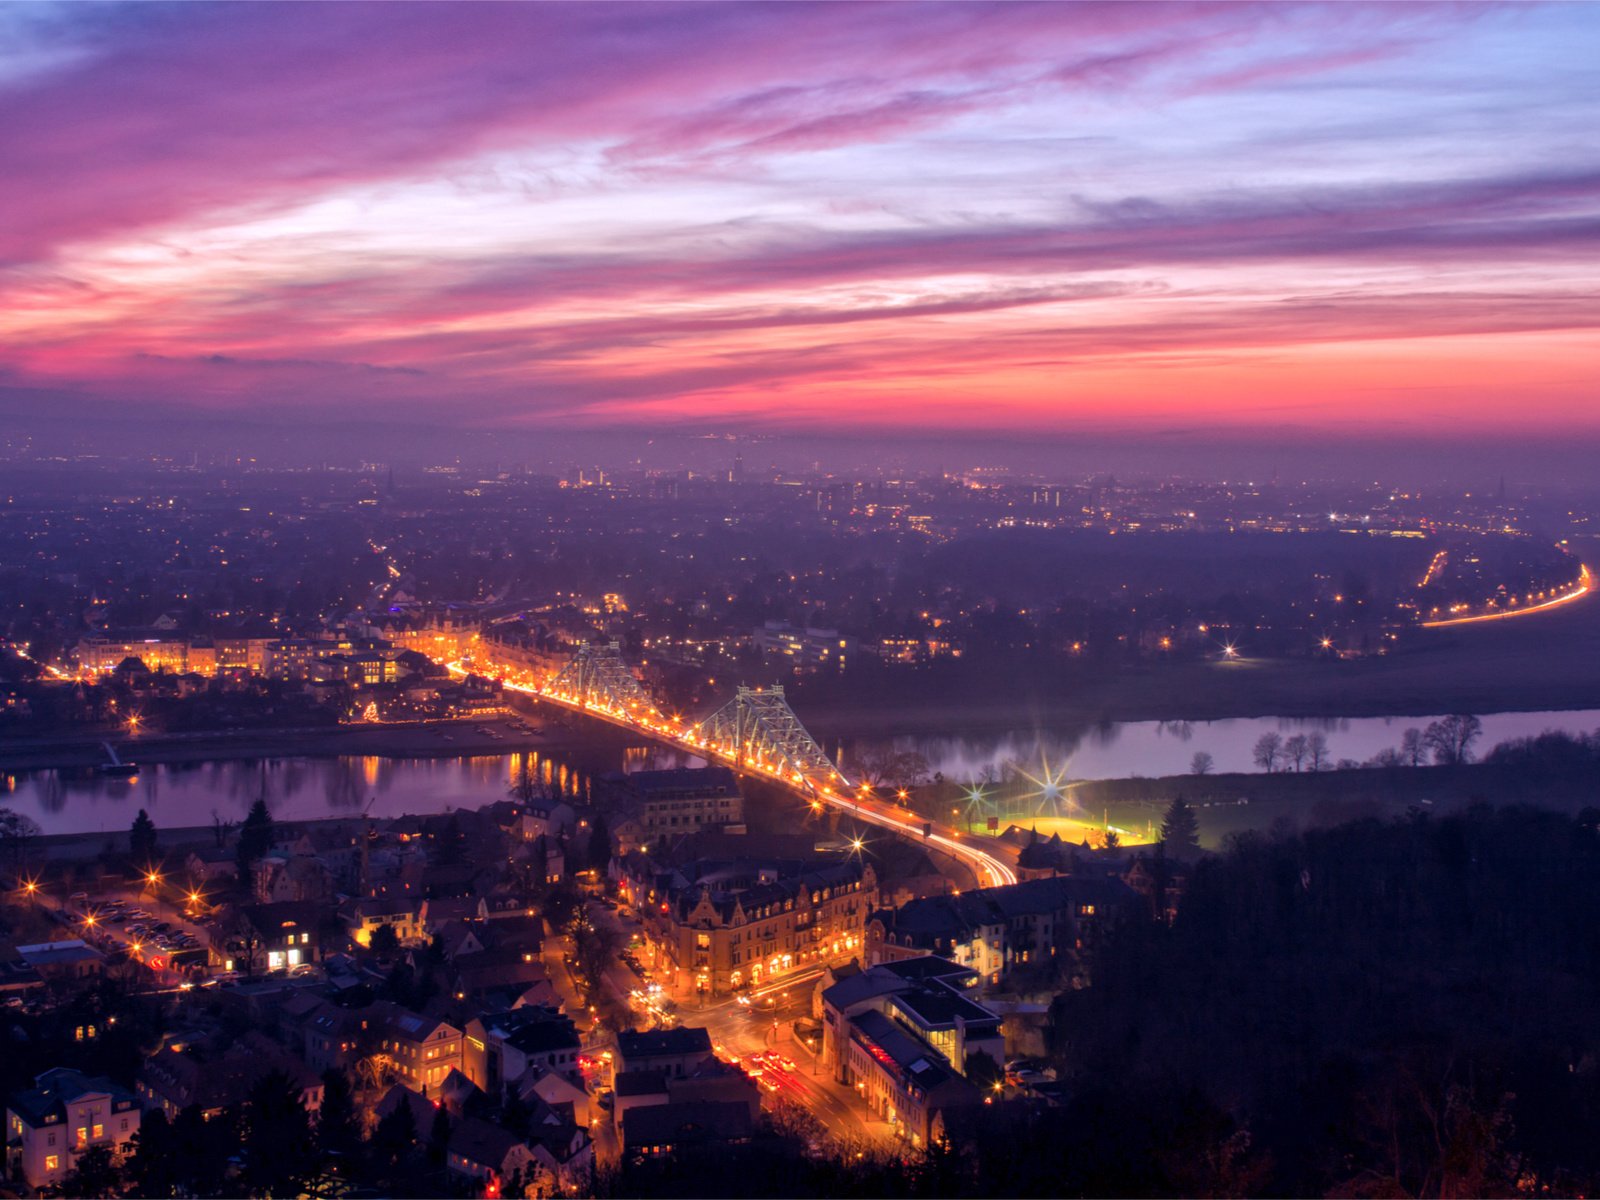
712,928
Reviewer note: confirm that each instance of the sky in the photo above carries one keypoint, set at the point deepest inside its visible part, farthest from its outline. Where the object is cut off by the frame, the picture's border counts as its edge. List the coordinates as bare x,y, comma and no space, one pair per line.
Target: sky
1248,222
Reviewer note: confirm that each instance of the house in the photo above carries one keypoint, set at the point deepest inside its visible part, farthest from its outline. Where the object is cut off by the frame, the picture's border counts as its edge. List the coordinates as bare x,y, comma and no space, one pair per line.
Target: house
997,930
402,913
65,1113
502,1047
423,1049
681,800
174,1079
565,1096
485,1153
72,959
272,936
673,1051
212,865
673,1130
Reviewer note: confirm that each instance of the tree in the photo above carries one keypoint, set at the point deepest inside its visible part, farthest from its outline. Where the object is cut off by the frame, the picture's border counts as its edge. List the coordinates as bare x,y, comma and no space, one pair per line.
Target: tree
525,789
396,1132
16,831
338,1129
1180,829
142,840
1295,750
1413,747
1269,747
1111,839
1451,739
1317,750
600,845
983,1070
93,1174
1202,763
447,852
152,1165
278,1150
539,860
384,940
439,1137
255,839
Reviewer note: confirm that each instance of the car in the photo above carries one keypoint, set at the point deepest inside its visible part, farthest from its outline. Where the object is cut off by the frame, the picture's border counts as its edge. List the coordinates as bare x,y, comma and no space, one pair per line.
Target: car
788,1063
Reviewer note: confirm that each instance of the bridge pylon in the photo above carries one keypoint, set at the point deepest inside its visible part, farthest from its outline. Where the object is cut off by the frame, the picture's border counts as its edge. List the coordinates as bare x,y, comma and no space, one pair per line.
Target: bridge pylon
758,729
598,678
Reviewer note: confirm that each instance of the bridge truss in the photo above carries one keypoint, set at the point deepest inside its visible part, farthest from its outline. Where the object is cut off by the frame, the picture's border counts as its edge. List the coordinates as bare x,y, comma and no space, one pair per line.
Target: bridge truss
757,728
598,678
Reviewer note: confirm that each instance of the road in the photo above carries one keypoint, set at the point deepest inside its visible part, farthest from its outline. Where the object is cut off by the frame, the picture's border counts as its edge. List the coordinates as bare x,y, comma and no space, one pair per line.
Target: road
988,867
766,1025
1584,586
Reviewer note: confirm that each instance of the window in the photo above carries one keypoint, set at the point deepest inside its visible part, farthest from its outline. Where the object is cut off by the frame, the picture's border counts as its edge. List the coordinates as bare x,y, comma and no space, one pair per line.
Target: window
83,1135
99,1132
124,1124
52,1162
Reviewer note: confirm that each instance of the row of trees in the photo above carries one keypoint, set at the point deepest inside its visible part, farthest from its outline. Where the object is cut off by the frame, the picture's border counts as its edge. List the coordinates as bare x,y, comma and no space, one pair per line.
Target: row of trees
1447,742
1300,751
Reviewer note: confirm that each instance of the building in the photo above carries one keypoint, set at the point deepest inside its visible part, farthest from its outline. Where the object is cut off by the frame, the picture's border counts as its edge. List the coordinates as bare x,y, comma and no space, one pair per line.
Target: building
271,937
72,959
1036,923
64,1114
102,655
673,1052
502,1047
402,913
907,1036
719,927
422,1049
680,801
174,1079
674,1130
805,647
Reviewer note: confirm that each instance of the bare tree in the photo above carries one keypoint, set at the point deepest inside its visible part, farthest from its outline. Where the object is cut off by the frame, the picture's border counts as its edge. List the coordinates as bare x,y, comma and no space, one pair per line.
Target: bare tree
1317,749
1201,764
1269,748
1451,738
1413,748
1296,749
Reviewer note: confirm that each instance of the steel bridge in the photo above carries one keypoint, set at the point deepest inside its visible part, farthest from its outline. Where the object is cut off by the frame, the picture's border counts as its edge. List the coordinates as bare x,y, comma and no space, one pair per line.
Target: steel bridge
756,732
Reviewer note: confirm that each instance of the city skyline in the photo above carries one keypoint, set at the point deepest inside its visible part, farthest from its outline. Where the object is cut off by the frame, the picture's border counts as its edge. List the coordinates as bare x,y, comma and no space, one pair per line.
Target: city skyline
1182,223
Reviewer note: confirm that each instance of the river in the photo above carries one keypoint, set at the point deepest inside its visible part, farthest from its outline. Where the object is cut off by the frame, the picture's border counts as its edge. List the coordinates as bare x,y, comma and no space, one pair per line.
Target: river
192,794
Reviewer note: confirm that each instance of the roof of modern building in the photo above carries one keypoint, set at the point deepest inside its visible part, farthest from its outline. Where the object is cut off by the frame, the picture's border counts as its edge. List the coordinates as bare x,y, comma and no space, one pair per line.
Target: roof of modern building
918,1064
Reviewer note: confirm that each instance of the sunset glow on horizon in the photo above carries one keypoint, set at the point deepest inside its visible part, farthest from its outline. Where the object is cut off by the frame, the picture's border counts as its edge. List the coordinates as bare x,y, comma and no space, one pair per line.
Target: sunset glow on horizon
1054,218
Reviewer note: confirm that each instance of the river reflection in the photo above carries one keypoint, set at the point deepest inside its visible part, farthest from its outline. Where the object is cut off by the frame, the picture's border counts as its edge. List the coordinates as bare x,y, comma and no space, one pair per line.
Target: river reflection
1120,750
194,794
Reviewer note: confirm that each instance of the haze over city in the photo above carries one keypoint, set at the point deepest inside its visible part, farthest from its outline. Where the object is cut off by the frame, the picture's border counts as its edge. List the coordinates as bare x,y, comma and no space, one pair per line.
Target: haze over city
800,599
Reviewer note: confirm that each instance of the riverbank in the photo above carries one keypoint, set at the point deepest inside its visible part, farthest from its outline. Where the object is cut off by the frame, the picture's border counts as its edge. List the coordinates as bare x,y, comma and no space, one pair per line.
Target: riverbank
1228,804
1545,662
433,739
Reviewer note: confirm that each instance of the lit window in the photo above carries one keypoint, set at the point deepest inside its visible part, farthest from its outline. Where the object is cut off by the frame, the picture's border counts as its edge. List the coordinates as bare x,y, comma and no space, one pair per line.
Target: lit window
52,1162
99,1132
